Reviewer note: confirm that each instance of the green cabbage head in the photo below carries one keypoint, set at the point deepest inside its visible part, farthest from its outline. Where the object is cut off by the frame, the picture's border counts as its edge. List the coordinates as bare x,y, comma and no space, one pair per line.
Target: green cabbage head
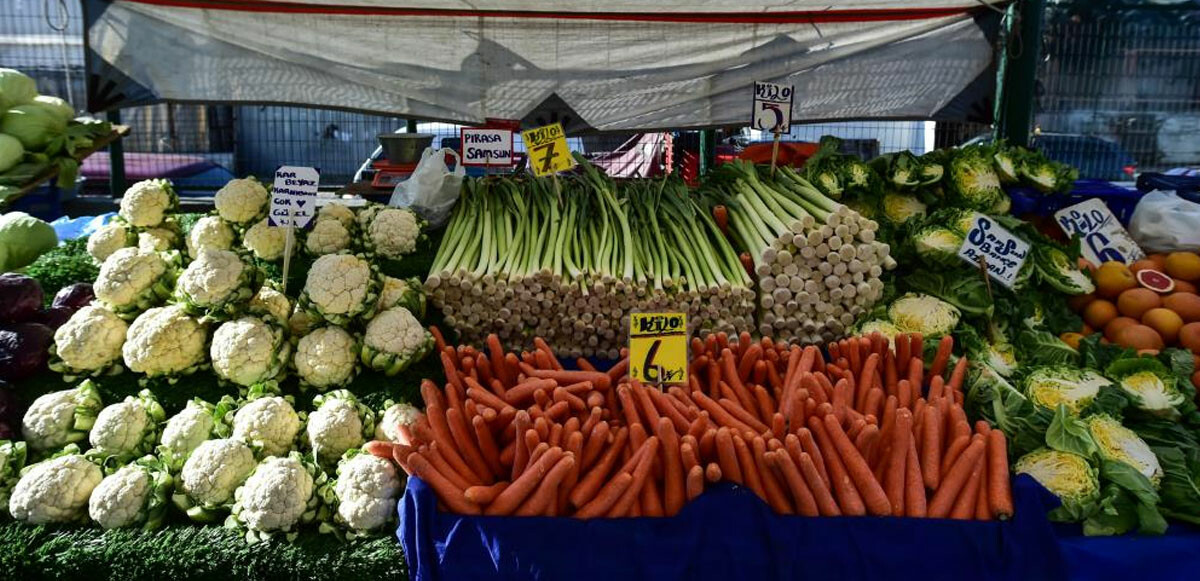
23,238
11,152
15,88
35,125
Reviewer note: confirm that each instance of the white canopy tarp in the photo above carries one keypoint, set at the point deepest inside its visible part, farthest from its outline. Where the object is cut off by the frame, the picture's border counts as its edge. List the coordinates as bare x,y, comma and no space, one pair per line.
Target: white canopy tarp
609,66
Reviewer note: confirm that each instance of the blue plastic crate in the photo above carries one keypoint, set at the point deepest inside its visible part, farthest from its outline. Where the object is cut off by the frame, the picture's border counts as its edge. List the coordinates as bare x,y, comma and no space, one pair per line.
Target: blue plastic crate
1121,201
44,202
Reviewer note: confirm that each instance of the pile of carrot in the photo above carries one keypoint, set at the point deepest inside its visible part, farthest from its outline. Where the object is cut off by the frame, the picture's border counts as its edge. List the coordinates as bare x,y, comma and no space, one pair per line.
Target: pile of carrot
868,431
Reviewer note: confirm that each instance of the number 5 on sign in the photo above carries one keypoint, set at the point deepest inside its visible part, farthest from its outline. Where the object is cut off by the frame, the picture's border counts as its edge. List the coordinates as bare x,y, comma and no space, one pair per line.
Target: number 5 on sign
548,151
658,344
772,107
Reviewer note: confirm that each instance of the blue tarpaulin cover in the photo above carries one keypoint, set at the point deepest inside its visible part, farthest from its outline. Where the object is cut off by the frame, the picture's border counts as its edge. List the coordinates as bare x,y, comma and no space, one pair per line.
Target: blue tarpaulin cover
728,533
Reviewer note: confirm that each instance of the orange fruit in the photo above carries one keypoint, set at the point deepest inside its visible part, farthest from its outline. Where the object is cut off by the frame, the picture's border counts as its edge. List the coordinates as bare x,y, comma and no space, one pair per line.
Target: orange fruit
1186,304
1086,330
1189,337
1114,326
1113,278
1165,321
1183,286
1071,339
1183,265
1139,337
1142,265
1150,352
1159,260
1078,302
1099,313
1196,379
1136,301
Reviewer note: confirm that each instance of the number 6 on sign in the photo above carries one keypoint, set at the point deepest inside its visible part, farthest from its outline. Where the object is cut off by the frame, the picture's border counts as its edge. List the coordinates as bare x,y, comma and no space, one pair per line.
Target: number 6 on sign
548,150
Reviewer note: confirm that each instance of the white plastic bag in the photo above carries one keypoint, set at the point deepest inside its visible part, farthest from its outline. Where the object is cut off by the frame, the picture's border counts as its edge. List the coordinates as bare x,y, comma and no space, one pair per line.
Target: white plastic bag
1165,222
432,189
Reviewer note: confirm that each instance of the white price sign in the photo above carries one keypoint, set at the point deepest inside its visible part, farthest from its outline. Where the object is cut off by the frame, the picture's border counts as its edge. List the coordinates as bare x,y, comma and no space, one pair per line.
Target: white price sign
1101,235
772,107
294,196
487,147
1003,251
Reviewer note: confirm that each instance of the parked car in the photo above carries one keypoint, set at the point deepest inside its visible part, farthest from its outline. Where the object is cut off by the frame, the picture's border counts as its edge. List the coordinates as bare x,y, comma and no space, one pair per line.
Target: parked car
1095,157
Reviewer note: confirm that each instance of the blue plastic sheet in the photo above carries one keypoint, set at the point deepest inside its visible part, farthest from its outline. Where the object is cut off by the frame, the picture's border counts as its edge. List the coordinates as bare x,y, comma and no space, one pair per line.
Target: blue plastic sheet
1175,555
727,533
72,228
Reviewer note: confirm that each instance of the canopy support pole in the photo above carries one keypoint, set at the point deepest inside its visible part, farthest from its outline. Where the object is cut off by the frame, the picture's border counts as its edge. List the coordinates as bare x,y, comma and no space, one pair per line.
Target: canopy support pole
1020,84
116,159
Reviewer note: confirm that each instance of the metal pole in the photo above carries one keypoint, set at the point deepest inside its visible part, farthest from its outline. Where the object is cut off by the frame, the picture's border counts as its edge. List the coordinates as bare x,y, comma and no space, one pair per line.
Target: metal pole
708,149
116,159
411,126
1019,90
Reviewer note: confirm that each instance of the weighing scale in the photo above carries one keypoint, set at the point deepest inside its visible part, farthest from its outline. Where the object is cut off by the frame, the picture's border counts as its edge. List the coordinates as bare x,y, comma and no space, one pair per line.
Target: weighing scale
388,174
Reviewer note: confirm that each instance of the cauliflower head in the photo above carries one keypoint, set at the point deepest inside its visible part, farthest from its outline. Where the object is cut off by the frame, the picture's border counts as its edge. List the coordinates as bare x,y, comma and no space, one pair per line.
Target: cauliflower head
89,343
132,280
394,416
301,322
400,292
340,288
185,431
157,239
241,201
327,237
336,211
270,304
134,495
217,284
165,341
146,203
55,491
211,475
265,241
12,460
127,429
109,239
326,357
209,231
277,496
339,423
394,340
367,488
392,232
61,417
268,422
248,350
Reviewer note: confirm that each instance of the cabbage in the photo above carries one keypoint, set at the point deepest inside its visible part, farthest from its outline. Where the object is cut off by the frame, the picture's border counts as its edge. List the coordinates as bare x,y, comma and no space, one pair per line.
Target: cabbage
61,109
15,89
35,125
23,238
11,152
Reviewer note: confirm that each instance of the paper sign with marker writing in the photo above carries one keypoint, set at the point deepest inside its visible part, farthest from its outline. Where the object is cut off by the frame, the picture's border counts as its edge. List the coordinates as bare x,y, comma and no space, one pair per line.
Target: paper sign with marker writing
1002,250
658,347
548,150
1101,236
487,147
772,107
294,196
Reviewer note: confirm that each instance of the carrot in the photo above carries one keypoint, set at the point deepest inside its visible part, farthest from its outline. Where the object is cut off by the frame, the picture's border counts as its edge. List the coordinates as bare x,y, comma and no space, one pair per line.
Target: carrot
942,357
826,505
903,354
433,453
891,375
856,427
955,480
806,505
721,217
606,497
866,380
521,423
964,505
439,341
749,469
591,482
952,452
487,445
446,491
773,377
477,393
999,493
982,510
766,407
673,476
521,488
649,498
916,376
872,494
708,443
483,495
575,402
628,405
849,500
874,402
866,442
618,370
602,381
645,404
544,497
575,449
695,482
931,449
442,434
718,413
727,456
525,390
637,435
743,415
730,374
959,374
687,453
712,472
893,480
592,421
641,472
914,488
536,452
778,426
668,410
379,449
775,496
594,445
809,446
751,356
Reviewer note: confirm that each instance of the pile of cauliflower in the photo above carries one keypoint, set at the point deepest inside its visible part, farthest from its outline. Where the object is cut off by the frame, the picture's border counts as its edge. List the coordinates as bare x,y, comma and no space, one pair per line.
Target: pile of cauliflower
254,463
172,300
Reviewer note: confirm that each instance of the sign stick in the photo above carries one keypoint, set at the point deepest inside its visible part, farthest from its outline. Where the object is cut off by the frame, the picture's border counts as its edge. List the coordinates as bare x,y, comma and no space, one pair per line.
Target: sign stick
987,280
287,248
774,153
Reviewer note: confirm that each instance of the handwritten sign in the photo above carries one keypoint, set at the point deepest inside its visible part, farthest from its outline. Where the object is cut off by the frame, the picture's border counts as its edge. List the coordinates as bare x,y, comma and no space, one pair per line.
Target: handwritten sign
1103,239
772,107
294,196
658,344
548,150
1003,251
487,147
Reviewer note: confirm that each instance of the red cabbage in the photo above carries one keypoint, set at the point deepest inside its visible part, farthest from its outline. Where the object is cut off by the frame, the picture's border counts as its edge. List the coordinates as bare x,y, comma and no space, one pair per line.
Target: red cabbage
20,298
24,349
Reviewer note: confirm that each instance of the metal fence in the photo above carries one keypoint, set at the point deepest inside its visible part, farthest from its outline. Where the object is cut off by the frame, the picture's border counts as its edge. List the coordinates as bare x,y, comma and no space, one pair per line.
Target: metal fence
1118,85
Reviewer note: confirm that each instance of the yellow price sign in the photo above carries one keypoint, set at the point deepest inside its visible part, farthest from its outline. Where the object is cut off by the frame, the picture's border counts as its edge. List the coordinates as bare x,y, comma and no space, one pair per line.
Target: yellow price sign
658,347
548,150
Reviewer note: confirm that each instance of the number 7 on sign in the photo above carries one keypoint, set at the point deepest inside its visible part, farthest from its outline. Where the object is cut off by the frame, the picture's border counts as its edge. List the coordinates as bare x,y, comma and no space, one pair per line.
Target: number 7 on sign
548,157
